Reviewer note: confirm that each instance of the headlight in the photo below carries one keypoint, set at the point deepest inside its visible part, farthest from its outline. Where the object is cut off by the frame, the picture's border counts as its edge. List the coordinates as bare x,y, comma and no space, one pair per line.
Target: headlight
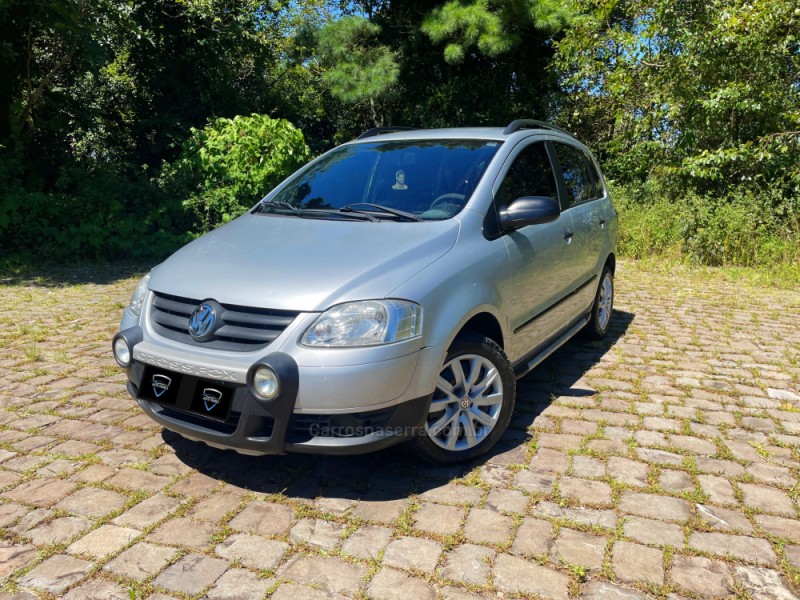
139,293
367,323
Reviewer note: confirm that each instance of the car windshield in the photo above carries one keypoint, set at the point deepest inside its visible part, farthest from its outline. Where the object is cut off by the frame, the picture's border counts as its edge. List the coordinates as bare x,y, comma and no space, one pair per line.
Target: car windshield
430,179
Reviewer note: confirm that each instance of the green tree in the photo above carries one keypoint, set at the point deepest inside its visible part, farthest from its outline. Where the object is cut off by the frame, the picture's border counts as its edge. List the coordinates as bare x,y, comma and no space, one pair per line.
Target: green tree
706,91
357,66
231,163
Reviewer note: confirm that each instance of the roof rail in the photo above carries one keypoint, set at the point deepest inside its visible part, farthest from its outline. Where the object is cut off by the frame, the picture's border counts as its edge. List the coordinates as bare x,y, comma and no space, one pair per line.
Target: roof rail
381,130
532,124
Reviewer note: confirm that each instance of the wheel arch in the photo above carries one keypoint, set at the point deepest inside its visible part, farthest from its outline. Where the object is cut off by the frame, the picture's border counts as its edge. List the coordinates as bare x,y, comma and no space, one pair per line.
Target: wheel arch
486,324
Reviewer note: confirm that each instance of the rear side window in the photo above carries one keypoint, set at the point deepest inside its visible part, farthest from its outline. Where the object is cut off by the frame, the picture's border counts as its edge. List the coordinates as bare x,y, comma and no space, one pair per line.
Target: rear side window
579,174
529,175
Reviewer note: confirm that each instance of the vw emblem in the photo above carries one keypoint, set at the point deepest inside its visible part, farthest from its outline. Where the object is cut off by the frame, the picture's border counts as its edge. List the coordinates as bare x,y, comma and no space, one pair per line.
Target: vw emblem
202,321
211,398
160,384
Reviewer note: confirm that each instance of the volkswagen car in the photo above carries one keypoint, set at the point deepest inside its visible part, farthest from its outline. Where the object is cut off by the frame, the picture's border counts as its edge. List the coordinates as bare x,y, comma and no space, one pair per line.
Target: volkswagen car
392,290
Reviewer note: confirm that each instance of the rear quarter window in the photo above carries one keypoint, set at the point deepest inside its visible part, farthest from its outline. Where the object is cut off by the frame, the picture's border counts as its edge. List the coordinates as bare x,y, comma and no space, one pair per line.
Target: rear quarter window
579,173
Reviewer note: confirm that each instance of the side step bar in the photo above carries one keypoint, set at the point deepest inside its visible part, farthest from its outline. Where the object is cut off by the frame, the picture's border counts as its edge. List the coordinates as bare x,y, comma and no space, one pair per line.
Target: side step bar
526,365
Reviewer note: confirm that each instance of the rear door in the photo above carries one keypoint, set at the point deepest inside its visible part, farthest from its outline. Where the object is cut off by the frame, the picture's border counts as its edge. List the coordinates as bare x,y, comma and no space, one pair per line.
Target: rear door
585,200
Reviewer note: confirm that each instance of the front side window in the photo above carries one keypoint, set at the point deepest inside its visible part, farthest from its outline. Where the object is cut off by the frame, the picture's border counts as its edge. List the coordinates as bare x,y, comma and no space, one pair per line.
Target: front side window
529,175
581,186
431,179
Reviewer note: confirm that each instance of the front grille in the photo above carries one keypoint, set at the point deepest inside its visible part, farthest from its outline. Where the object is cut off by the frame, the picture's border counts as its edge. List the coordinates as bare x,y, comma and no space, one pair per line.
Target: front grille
243,328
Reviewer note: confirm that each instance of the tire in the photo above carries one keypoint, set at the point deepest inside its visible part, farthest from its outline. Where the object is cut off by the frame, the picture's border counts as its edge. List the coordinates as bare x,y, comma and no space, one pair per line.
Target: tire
603,307
471,407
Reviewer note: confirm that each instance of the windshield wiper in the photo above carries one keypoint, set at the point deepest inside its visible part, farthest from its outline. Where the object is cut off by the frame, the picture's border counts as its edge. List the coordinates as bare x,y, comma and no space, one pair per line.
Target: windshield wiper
305,212
401,214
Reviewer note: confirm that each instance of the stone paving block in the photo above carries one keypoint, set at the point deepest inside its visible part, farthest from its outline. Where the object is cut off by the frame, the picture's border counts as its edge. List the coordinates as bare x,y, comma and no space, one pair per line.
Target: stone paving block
92,502
135,479
57,531
31,519
586,466
547,460
453,493
719,489
141,561
779,526
675,481
763,584
507,501
413,554
252,551
183,531
367,542
767,499
660,457
656,507
293,591
379,511
514,575
333,575
585,516
195,485
534,482
468,564
602,590
637,563
56,574
440,519
724,519
772,475
488,527
629,472
579,548
106,539
702,576
389,584
585,491
214,507
14,556
649,531
753,550
40,492
98,589
148,512
264,518
534,537
239,584
10,512
317,532
192,574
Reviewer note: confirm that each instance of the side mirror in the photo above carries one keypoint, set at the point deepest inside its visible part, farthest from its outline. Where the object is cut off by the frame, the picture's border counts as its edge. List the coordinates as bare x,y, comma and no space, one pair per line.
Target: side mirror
528,210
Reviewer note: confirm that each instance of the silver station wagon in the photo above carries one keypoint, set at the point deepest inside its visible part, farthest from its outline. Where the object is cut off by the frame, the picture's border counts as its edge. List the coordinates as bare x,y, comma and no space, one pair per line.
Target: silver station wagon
393,289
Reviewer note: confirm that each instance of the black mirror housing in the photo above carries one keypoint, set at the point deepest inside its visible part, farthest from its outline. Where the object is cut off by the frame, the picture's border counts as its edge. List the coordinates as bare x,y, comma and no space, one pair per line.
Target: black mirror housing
528,210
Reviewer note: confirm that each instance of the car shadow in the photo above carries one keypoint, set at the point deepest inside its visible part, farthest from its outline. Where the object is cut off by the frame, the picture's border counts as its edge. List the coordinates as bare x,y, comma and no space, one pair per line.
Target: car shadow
395,473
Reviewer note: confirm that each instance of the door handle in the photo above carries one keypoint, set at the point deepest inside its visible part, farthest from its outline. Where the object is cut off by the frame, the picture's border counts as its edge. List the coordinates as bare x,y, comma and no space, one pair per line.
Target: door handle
568,234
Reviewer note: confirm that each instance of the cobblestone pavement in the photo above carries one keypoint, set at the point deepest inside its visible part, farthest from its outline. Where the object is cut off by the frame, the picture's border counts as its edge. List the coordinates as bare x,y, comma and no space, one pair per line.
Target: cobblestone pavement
662,462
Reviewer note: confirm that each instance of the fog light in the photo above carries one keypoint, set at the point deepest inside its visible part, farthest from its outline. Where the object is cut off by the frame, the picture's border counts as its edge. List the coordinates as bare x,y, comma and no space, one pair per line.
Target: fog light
265,382
122,354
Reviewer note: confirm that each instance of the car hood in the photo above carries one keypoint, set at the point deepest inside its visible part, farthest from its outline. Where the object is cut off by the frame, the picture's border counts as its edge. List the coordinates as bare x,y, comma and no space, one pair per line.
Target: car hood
291,263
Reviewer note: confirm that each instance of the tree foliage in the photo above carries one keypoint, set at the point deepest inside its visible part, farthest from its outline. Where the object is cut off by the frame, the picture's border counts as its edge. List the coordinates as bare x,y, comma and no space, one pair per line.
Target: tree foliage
706,91
231,163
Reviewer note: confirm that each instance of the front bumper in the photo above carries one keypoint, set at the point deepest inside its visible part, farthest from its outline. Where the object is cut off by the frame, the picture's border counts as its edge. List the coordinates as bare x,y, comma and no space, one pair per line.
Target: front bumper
256,426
